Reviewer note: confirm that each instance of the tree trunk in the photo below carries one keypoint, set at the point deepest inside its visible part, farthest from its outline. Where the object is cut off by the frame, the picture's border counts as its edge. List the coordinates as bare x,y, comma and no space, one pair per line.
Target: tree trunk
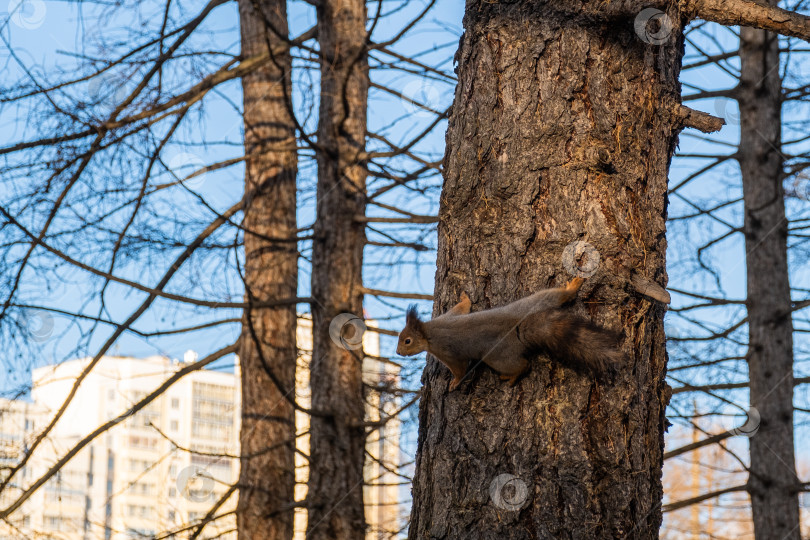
337,435
562,130
268,345
772,481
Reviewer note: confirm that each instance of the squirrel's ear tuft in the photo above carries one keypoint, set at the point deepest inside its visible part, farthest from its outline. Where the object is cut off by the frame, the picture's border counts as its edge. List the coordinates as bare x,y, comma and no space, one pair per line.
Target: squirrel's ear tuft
411,315
412,319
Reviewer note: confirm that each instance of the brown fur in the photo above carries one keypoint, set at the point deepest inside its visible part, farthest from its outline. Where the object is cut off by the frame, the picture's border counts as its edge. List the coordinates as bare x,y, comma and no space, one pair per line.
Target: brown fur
506,337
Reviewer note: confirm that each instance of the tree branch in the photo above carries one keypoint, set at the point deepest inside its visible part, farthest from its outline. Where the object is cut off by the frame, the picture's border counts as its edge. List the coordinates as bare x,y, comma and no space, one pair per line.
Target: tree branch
700,498
701,121
699,444
391,294
750,13
726,386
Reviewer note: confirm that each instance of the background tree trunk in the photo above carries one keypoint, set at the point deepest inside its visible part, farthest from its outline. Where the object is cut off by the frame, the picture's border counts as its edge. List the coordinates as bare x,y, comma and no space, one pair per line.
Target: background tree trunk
562,130
268,346
335,496
772,482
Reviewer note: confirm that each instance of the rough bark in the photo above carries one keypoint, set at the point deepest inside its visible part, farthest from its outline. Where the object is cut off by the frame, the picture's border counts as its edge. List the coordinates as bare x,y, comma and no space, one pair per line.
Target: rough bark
337,437
751,13
772,483
268,346
562,130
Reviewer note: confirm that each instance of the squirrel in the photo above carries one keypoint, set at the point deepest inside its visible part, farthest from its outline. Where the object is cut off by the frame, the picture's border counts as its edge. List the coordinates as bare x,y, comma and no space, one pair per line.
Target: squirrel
506,337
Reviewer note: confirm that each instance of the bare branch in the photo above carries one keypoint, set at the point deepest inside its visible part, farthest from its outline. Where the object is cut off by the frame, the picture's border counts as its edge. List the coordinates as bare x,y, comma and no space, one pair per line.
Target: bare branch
699,444
391,294
726,386
700,498
750,13
701,121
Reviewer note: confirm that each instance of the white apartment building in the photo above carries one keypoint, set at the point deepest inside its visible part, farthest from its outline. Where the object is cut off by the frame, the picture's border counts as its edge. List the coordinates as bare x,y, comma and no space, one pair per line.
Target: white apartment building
385,512
164,468
156,471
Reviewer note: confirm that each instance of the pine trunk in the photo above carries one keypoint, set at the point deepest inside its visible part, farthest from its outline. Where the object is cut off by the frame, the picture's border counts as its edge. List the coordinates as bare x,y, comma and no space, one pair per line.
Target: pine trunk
564,123
268,344
772,482
337,434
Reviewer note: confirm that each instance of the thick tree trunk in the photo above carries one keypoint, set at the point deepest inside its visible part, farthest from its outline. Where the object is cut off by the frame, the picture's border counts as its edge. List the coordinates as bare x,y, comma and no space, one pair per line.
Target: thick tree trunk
772,482
562,130
268,346
337,435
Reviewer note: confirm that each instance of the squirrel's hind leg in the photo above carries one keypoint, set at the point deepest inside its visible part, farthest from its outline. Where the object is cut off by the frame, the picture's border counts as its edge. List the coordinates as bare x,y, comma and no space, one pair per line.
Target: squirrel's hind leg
507,358
546,299
458,376
519,368
513,379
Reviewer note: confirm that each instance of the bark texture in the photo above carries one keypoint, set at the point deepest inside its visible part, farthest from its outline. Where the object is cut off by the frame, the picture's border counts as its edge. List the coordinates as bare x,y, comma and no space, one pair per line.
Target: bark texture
752,13
337,435
562,130
772,482
268,345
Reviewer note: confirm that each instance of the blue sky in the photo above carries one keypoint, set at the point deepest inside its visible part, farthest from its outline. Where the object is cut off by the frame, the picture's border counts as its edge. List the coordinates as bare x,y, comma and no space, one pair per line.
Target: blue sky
50,39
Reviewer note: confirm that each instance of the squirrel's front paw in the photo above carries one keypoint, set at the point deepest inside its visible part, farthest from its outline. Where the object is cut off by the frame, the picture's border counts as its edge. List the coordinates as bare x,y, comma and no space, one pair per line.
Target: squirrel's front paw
454,384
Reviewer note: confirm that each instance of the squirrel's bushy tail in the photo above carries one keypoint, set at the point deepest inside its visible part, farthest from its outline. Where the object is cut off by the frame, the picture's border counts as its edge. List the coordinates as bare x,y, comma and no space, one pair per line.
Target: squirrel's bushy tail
573,341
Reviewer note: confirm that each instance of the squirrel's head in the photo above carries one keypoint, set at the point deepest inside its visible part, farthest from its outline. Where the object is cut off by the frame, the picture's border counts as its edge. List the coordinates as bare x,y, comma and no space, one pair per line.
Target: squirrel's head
412,339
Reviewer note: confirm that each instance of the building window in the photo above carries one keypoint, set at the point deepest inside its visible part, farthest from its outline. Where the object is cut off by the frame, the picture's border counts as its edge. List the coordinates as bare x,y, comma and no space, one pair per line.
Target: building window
147,443
174,425
175,403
